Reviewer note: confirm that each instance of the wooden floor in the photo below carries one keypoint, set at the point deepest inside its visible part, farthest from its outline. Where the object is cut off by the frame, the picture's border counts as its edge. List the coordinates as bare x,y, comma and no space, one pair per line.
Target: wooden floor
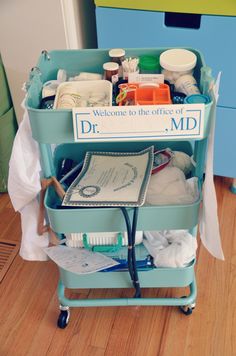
29,306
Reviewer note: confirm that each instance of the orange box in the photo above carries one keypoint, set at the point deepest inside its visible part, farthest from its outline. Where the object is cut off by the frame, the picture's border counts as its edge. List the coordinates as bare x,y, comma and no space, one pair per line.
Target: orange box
152,95
143,94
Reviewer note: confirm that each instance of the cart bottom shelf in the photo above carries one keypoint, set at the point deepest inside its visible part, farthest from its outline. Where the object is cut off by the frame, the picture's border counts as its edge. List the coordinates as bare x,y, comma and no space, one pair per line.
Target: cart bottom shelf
148,278
158,277
152,278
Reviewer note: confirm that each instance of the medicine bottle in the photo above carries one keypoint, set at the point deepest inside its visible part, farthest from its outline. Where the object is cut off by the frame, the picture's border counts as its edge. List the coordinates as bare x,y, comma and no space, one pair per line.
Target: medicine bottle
111,71
177,62
117,55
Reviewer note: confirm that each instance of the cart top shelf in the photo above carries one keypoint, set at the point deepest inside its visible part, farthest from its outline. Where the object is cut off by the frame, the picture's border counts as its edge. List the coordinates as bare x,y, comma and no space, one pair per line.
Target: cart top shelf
56,126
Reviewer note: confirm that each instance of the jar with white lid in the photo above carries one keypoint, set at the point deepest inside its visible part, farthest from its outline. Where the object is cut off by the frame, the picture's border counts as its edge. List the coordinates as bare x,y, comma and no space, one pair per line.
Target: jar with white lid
117,55
177,62
111,71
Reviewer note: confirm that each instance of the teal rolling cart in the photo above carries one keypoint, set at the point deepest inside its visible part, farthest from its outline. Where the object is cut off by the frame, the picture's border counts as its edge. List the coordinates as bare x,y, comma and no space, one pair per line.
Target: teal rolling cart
56,127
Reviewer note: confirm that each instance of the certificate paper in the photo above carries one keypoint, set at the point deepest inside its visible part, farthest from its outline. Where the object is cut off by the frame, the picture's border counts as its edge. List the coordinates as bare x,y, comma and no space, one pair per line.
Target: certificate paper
79,260
111,179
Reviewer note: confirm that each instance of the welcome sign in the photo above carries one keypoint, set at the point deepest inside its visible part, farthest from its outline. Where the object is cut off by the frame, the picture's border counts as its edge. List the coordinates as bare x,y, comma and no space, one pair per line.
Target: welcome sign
127,123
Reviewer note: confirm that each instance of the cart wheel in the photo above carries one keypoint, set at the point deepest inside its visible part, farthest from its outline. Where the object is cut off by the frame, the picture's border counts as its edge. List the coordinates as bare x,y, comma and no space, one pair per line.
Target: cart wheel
64,317
187,309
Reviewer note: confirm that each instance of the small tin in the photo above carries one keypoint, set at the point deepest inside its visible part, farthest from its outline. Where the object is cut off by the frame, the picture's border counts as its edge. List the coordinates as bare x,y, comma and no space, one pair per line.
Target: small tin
197,99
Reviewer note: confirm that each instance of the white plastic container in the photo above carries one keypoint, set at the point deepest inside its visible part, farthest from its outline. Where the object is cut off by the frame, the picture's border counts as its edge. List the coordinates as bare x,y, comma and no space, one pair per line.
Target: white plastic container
187,84
101,238
177,62
83,94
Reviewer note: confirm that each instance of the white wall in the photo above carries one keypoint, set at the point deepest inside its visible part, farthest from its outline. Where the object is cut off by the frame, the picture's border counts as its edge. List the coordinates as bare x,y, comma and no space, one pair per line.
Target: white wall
28,26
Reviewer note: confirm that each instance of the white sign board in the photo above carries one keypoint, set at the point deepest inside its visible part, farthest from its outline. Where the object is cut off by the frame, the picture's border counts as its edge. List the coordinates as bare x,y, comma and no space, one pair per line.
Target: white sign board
127,123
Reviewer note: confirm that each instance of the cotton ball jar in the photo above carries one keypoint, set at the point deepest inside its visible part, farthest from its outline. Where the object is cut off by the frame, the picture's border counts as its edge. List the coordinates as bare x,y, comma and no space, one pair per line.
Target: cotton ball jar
177,62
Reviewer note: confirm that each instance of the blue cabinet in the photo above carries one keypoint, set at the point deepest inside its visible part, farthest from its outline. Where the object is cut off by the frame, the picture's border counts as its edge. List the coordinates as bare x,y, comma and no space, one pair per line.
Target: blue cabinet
214,38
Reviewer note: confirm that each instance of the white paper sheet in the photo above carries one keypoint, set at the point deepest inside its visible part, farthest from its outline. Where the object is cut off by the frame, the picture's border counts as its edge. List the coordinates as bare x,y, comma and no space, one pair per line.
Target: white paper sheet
79,260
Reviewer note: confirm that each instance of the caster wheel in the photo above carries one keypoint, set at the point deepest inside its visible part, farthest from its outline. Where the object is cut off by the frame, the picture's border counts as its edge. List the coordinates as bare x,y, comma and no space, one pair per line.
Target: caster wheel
187,309
233,186
233,189
63,318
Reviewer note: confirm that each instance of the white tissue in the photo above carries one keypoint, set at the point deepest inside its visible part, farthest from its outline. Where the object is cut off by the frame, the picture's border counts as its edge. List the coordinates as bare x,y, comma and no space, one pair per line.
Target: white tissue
169,186
182,161
171,248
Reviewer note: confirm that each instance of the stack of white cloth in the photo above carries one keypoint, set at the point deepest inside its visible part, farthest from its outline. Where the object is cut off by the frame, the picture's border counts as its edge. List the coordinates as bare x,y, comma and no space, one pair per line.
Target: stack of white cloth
170,248
169,186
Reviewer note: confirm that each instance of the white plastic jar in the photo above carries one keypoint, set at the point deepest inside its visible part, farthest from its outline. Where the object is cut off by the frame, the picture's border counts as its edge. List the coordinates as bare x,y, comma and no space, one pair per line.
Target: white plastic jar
177,62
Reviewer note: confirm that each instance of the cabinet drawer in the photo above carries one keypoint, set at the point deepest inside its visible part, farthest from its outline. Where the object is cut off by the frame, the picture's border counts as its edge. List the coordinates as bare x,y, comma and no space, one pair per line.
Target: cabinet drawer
225,142
216,7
